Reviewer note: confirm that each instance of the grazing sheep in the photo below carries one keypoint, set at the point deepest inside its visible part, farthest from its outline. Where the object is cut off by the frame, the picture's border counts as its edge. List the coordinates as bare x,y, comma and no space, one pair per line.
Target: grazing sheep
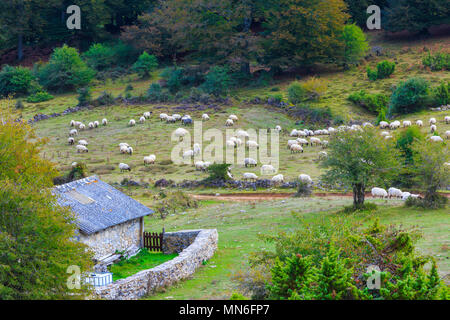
294,133
394,125
447,119
176,116
379,192
142,119
180,133
130,151
278,128
302,141
394,192
170,119
296,148
205,117
71,140
267,169
331,130
238,142
252,144
384,124
149,159
197,149
419,123
186,121
305,178
230,143
384,133
96,124
91,125
433,128
242,134
81,126
132,123
72,123
432,121
233,117
104,121
81,148
188,154
124,149
163,116
291,142
123,167
249,176
405,195
388,137
279,178
314,141
123,144
250,162
436,139
447,134
73,132
83,142
147,114
406,123
229,123
324,143
367,124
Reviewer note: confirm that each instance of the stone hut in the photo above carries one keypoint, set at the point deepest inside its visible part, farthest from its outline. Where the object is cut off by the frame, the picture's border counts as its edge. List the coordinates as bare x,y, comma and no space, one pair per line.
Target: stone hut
108,220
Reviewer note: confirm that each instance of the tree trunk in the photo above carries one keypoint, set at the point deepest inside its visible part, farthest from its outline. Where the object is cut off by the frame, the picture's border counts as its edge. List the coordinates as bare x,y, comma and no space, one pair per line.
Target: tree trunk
358,195
20,47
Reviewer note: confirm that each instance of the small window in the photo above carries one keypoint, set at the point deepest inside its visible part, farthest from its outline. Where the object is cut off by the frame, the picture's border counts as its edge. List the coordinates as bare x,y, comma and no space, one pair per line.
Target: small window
81,198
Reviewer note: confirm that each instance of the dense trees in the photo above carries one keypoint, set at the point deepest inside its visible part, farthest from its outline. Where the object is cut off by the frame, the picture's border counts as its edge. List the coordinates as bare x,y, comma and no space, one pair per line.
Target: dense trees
36,236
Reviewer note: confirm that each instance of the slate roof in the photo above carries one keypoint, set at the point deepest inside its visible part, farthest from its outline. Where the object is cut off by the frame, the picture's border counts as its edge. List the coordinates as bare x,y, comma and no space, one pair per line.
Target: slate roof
97,205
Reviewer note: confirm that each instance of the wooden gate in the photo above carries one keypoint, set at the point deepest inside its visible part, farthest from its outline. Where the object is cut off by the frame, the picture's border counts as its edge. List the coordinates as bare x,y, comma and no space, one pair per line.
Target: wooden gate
153,241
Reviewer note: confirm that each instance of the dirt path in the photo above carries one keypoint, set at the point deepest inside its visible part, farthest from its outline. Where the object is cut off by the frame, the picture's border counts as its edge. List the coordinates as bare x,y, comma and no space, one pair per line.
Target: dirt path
271,196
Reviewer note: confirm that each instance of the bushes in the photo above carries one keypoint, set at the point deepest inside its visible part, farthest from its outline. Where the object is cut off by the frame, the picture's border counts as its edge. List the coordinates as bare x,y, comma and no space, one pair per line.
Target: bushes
84,96
99,56
40,96
171,202
311,89
156,94
145,65
15,80
441,95
218,172
384,70
371,102
409,96
355,44
104,99
65,70
217,81
438,61
173,78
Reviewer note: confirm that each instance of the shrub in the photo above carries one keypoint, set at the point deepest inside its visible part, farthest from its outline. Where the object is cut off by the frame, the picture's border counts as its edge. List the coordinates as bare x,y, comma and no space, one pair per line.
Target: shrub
217,81
173,77
410,96
99,56
296,92
438,61
65,70
384,70
155,93
77,172
370,102
355,44
84,96
171,202
441,95
218,172
19,104
104,99
314,88
304,189
372,74
381,116
40,96
145,65
15,80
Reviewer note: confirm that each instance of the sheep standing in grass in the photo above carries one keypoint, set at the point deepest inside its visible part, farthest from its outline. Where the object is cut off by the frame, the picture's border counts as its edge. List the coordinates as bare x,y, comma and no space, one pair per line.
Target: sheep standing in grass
279,178
163,116
447,134
205,117
314,141
278,128
405,195
196,149
296,148
394,125
323,155
230,143
379,193
82,126
132,123
176,116
188,154
96,124
432,121
447,119
394,192
406,123
147,114
267,169
252,144
91,125
105,121
170,119
249,176
233,117
142,119
130,151
72,123
242,134
302,141
149,159
81,148
123,149
419,123
73,132
384,124
229,123
180,133
305,178
433,128
123,167
71,140
250,162
83,142
436,139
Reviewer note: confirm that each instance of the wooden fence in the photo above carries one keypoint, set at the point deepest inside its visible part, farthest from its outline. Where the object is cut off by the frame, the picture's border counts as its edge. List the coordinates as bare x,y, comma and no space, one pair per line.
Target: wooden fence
153,241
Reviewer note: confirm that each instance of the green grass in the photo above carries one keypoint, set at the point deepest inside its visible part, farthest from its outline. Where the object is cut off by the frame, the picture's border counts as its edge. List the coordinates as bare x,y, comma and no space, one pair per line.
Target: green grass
142,261
240,224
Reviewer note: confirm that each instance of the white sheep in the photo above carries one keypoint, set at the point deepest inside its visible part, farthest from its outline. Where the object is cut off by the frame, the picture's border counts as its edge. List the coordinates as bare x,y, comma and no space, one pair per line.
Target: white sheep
83,142
294,133
123,144
130,151
96,124
432,121
250,162
433,128
81,148
406,123
205,117
302,141
394,192
406,195
199,165
163,116
314,141
447,134
197,149
176,116
394,125
142,119
436,139
252,144
149,159
367,124
230,143
132,123
180,133
238,142
242,134
296,148
104,121
279,178
188,154
291,142
233,117
123,167
305,178
323,155
124,149
379,192
91,125
267,169
278,128
447,119
147,114
419,123
170,119
384,133
71,140
324,143
249,176
384,124
81,126
73,132
331,130
229,123
72,123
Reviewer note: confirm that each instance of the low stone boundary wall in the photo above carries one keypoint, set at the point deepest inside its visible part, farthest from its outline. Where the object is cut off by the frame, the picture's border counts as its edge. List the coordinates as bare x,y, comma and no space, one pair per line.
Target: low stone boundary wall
196,245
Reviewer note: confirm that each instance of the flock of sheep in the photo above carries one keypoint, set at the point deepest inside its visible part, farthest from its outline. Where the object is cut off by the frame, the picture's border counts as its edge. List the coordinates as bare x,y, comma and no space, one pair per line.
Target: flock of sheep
295,146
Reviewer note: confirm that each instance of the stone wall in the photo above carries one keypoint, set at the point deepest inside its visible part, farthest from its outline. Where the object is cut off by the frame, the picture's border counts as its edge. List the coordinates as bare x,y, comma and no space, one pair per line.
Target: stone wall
175,242
116,238
145,282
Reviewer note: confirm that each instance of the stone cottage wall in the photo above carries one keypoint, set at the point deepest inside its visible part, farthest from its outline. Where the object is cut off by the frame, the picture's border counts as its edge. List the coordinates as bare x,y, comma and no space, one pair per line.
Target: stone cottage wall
145,282
116,238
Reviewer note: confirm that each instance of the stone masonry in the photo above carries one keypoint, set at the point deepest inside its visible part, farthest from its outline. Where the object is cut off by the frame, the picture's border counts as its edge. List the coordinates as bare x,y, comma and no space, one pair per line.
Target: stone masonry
196,246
